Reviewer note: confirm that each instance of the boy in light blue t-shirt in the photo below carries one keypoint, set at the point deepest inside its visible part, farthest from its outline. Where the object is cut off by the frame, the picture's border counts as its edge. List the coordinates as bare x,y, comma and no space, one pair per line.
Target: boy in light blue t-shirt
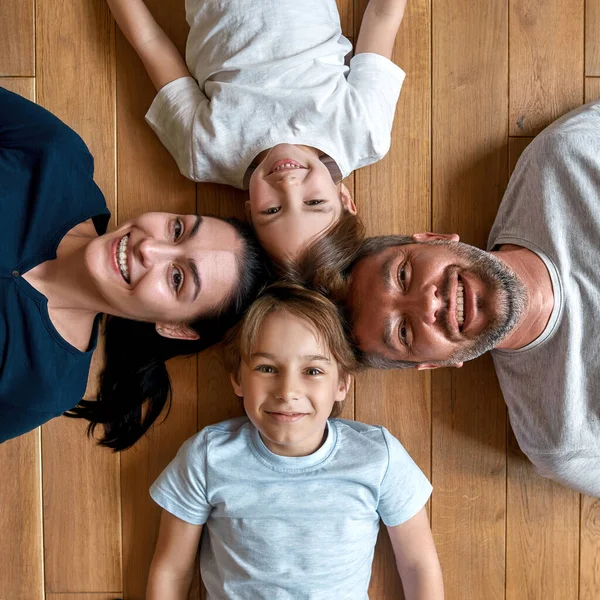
290,499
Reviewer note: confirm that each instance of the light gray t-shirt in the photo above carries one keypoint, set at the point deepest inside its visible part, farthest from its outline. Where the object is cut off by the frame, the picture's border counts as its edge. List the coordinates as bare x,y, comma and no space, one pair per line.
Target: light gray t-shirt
552,386
268,72
290,528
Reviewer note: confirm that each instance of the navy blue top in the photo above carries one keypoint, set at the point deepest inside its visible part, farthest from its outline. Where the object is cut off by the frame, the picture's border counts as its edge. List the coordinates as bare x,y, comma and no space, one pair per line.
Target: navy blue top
46,189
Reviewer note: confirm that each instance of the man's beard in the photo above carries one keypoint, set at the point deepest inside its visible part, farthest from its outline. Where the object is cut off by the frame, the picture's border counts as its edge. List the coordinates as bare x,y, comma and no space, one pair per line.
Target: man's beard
509,295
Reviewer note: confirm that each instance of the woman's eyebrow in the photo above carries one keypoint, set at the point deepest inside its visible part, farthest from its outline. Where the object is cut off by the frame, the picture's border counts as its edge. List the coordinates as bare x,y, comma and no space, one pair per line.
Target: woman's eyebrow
194,229
195,276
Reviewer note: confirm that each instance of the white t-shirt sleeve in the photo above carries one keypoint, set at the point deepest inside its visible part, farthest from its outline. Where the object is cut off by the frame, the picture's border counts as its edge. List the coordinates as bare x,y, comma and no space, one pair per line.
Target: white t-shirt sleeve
181,488
378,82
172,115
404,489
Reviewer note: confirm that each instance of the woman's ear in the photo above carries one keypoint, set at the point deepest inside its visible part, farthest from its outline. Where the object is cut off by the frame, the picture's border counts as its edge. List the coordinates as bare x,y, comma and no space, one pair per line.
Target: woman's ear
177,332
236,382
346,199
343,388
432,237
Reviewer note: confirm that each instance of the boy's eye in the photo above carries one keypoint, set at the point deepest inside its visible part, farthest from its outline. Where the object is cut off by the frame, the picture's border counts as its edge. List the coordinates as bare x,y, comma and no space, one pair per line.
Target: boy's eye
313,371
271,211
177,229
314,202
265,369
176,278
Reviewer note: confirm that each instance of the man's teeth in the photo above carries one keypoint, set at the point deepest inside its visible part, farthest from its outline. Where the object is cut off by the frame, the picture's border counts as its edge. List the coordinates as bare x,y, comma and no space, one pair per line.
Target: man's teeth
287,166
122,257
460,303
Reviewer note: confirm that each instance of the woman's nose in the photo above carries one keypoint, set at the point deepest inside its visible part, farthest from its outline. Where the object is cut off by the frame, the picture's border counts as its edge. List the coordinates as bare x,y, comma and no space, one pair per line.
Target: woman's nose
152,251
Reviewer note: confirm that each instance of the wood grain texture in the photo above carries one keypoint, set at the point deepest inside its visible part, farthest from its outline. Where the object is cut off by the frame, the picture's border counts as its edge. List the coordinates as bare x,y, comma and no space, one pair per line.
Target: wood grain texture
79,596
545,80
592,39
75,80
17,44
592,88
469,173
589,577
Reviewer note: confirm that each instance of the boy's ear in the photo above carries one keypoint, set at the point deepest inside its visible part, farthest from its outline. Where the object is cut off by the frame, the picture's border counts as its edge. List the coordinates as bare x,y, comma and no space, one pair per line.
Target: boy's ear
248,212
432,237
343,388
236,382
346,199
177,332
426,366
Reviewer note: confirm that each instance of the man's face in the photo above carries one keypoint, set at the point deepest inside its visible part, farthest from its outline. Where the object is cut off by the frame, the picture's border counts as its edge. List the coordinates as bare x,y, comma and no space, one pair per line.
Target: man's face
435,302
293,199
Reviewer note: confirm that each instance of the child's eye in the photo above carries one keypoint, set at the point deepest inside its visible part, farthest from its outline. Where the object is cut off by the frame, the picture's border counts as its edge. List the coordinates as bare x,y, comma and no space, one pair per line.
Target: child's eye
265,369
313,371
313,202
177,229
176,278
271,211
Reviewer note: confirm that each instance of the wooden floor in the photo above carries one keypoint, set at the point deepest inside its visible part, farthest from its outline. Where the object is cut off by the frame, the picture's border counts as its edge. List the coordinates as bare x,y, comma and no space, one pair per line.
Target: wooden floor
484,76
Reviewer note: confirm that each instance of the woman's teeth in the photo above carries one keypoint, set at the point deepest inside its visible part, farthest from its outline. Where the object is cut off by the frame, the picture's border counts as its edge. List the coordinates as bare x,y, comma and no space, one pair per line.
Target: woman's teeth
460,303
122,257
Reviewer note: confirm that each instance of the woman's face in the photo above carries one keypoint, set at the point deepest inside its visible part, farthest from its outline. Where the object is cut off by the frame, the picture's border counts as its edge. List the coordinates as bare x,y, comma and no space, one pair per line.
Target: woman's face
165,268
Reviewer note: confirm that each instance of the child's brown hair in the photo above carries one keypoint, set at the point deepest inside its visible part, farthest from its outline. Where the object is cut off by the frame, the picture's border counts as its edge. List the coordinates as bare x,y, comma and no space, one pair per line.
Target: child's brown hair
320,313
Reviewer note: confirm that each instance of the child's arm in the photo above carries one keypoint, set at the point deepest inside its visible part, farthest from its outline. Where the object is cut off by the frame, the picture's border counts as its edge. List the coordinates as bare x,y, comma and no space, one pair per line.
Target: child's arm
172,566
161,58
416,559
379,27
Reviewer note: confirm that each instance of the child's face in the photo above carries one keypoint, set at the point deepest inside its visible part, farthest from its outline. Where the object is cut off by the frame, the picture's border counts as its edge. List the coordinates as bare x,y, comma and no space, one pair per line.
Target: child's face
293,199
289,385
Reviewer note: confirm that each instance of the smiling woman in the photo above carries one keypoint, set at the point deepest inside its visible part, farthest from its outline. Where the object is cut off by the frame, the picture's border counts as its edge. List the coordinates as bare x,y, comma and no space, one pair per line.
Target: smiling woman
171,284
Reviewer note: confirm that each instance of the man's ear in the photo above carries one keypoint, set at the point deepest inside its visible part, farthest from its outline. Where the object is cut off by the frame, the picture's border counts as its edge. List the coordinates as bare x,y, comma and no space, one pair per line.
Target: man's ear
343,388
432,237
247,211
346,199
425,366
176,332
236,382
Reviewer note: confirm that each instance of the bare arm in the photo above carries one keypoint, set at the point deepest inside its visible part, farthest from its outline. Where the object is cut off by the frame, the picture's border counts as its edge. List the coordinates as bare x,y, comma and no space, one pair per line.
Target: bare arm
161,58
379,27
416,559
172,566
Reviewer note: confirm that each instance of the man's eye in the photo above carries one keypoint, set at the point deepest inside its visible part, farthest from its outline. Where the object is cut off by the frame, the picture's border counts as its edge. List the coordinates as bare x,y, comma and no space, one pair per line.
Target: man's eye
176,278
313,202
177,229
265,369
313,371
271,211
402,333
402,275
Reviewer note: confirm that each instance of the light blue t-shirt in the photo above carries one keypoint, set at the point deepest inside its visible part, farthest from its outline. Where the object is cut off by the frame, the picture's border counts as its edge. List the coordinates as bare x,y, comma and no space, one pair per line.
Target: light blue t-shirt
290,528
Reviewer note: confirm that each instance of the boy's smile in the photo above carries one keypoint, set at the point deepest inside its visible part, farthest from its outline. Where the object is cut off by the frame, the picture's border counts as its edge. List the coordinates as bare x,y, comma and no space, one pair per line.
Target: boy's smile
289,385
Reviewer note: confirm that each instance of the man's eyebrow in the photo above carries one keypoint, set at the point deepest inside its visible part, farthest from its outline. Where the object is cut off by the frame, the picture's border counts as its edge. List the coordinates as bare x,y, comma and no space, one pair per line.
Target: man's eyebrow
388,331
195,277
194,229
385,273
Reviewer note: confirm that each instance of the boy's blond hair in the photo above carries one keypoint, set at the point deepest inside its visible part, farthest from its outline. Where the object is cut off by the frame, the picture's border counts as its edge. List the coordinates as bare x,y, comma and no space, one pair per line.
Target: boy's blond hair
320,313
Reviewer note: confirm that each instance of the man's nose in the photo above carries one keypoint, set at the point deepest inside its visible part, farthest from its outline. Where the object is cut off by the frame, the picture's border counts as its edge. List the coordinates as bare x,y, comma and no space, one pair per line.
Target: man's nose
423,304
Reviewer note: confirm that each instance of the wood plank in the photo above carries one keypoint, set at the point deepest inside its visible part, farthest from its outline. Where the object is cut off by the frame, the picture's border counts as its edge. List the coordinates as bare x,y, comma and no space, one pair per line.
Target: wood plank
98,596
592,39
469,171
81,482
150,180
17,48
346,10
545,80
393,196
22,575
589,582
542,533
592,88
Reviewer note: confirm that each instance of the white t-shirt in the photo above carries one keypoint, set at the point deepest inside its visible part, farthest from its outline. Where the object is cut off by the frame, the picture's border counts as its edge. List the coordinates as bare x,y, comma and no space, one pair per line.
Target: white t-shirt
268,72
552,386
290,528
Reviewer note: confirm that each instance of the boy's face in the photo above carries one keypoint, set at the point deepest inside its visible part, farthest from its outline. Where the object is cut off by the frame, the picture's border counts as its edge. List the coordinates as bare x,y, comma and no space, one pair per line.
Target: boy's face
289,385
293,199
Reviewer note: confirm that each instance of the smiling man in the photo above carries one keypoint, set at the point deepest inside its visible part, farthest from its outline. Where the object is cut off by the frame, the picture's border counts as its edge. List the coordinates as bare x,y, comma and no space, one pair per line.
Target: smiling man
532,298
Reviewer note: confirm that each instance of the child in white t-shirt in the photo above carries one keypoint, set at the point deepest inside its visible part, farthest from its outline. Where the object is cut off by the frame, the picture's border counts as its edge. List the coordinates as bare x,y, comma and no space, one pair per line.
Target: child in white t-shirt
270,105
289,498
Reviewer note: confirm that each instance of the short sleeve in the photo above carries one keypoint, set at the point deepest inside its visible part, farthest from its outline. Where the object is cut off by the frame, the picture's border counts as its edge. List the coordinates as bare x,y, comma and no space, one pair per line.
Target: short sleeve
172,116
378,82
181,488
404,489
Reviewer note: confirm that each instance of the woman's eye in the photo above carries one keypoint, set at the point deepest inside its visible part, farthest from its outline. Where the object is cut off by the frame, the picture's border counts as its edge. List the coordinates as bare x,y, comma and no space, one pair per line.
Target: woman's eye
265,369
176,278
313,371
313,202
271,211
177,229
